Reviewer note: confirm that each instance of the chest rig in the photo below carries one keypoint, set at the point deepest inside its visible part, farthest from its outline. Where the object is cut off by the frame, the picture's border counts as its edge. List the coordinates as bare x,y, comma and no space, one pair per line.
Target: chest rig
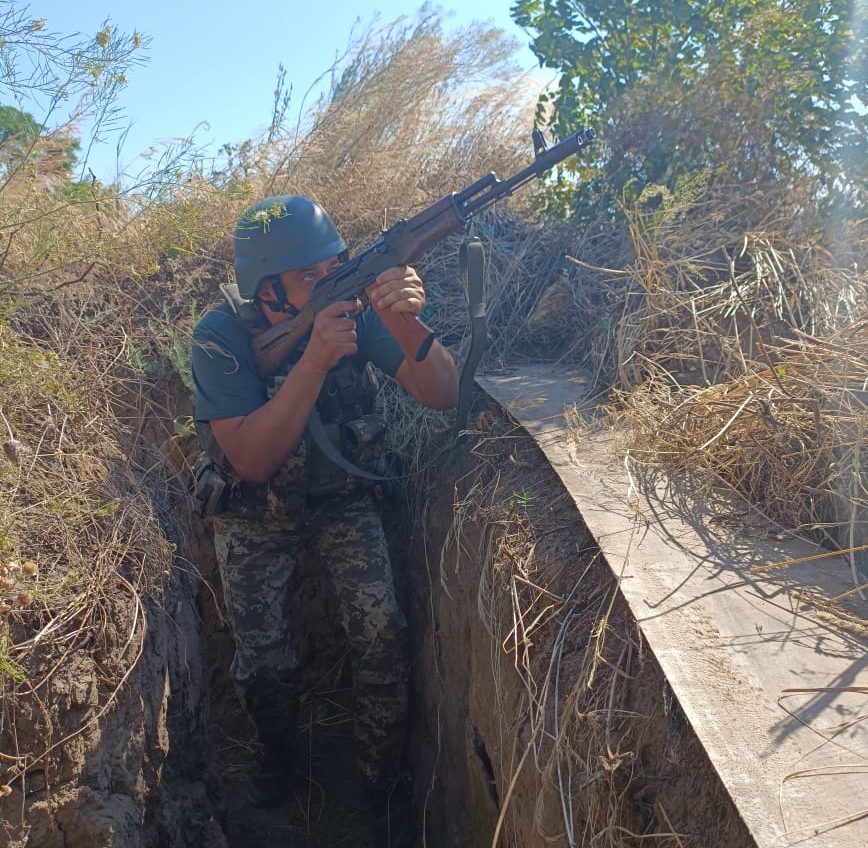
349,437
345,411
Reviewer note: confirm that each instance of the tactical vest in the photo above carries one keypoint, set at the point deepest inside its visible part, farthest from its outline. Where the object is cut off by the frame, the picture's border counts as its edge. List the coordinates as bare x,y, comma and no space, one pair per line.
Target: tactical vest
346,405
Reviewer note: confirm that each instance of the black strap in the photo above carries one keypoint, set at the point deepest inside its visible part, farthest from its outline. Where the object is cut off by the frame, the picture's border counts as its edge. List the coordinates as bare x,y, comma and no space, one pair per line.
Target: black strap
471,263
252,319
321,439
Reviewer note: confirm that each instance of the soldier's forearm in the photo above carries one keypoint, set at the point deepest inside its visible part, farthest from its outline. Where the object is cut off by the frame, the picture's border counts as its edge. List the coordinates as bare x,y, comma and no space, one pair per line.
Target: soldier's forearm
433,381
263,440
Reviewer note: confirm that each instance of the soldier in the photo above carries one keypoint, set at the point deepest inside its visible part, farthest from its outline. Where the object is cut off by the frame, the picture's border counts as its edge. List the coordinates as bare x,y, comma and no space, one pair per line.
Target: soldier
273,490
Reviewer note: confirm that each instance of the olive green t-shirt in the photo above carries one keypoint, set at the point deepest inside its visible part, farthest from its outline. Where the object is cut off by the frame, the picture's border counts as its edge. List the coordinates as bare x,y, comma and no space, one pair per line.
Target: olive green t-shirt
227,385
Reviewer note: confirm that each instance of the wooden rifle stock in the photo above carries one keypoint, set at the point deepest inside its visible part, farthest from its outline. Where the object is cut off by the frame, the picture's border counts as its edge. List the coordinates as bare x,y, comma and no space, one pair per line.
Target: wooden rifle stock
272,346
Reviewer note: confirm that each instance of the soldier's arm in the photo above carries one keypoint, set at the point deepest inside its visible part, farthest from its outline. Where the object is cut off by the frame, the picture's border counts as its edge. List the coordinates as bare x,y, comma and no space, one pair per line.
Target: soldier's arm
257,444
433,381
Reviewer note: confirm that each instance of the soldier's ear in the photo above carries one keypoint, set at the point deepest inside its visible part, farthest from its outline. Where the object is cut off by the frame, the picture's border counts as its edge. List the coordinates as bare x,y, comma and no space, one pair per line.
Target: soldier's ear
266,289
271,291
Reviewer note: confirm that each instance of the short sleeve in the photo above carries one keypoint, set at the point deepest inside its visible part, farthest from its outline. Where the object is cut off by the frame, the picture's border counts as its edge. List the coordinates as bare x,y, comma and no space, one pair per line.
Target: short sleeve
227,385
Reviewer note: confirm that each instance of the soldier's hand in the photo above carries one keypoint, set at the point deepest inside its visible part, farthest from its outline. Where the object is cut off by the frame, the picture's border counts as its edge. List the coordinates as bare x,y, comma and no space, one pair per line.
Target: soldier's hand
398,289
333,336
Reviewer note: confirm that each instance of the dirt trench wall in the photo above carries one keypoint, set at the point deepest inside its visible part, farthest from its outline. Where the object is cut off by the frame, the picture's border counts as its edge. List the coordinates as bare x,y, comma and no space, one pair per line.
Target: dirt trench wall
544,717
131,774
538,712
106,739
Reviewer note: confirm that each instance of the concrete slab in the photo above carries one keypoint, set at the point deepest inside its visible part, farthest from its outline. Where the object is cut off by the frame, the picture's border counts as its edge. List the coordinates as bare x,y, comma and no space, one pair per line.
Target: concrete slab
776,692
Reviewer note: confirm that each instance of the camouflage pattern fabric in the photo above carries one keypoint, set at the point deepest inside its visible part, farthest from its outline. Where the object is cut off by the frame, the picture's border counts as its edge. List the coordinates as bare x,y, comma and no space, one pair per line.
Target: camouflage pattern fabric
257,560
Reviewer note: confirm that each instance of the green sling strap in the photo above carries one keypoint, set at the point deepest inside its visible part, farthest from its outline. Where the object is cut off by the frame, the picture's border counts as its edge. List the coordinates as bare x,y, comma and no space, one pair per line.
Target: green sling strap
471,261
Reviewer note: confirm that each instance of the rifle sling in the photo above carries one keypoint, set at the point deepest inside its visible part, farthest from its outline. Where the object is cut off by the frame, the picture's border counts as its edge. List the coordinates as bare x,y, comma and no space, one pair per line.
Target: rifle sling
318,433
251,318
471,259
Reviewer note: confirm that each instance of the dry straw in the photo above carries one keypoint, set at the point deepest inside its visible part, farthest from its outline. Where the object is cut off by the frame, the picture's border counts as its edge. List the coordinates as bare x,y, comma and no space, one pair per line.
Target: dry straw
733,334
564,655
737,351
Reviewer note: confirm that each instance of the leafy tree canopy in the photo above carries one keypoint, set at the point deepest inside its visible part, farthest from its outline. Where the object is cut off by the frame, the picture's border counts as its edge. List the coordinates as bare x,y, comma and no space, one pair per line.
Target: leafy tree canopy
18,125
22,138
763,88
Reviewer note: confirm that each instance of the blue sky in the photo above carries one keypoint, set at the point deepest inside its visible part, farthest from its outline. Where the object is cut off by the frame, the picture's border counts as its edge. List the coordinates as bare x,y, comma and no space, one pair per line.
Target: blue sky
214,64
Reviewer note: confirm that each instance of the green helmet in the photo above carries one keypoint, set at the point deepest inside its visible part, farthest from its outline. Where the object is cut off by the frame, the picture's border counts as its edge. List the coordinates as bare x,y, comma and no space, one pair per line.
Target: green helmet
279,234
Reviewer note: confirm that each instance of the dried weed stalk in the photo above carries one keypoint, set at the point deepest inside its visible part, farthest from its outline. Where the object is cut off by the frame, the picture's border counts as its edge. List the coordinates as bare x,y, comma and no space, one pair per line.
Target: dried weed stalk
734,336
562,655
75,507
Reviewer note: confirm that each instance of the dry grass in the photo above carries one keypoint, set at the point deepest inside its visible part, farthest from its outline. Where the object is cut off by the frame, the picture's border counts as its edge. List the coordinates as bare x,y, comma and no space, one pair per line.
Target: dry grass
736,348
78,513
731,328
98,296
564,655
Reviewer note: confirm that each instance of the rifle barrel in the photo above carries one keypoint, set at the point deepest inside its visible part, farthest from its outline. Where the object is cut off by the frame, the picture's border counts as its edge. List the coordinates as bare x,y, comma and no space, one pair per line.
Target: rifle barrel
489,189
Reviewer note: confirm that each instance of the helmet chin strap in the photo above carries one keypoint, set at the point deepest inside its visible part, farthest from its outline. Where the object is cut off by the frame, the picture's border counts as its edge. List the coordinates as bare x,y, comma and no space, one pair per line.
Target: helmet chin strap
281,304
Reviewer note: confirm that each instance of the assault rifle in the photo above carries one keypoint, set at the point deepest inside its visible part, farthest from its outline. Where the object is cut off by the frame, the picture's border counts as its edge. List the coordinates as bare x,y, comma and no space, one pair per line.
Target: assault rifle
403,242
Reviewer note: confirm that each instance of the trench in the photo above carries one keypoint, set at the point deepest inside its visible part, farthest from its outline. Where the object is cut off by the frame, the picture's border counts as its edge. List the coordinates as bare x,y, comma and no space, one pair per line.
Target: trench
537,710
573,683
562,693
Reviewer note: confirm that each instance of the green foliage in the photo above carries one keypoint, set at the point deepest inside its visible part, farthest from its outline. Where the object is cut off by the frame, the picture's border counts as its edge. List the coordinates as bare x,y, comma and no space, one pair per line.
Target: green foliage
521,499
8,667
174,340
762,88
22,139
86,191
169,348
27,371
18,126
77,507
55,74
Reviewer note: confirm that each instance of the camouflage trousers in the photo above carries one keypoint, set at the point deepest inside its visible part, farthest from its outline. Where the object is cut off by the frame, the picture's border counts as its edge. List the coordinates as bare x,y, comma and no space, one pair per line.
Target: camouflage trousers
257,560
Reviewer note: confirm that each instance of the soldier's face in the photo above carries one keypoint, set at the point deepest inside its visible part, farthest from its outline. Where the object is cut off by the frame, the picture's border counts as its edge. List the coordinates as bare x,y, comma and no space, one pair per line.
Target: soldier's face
299,283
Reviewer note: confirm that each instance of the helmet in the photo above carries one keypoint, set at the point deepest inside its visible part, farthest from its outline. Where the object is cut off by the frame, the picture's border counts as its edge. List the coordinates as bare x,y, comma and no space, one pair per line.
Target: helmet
279,234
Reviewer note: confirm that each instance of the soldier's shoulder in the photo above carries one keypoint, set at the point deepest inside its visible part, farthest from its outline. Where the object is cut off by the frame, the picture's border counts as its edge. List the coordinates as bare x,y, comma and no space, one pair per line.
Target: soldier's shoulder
218,322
